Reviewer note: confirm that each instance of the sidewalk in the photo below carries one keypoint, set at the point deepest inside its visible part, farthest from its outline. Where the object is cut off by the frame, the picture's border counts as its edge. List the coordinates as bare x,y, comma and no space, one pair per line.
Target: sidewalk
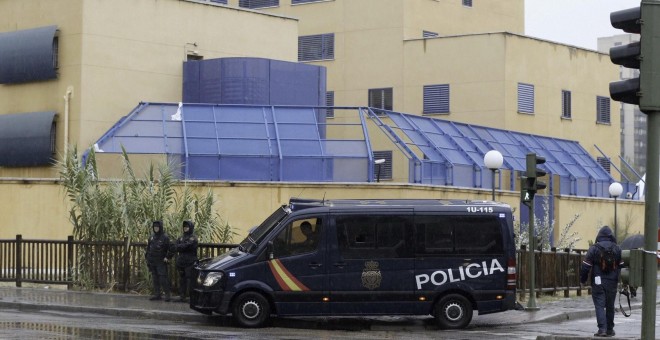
126,305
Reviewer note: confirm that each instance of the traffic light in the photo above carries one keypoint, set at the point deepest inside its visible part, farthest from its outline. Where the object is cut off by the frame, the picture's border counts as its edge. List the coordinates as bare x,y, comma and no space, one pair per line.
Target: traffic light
530,184
526,196
632,271
533,173
644,20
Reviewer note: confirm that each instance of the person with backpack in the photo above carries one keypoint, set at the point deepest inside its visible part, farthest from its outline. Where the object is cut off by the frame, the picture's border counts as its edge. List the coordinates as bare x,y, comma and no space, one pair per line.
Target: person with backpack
603,261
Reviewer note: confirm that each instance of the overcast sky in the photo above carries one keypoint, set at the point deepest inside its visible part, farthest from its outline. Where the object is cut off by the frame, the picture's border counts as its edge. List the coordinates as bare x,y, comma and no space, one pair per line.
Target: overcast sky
573,22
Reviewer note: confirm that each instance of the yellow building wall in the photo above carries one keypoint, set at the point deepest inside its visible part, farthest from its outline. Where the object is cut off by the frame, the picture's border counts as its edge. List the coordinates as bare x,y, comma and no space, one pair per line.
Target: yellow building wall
484,70
115,54
245,204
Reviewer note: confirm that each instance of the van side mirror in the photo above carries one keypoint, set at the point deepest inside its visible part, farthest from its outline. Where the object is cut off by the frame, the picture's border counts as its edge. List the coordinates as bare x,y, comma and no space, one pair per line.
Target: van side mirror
270,250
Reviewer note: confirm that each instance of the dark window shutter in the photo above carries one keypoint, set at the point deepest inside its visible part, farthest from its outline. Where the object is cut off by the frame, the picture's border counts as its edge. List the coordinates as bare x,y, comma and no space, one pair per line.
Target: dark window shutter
525,98
566,104
385,168
604,163
603,109
429,34
316,47
253,4
467,3
381,98
330,101
436,98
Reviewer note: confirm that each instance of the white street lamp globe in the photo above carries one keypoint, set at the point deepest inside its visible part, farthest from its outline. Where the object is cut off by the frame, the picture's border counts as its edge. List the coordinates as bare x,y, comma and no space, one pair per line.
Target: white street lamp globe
615,189
493,160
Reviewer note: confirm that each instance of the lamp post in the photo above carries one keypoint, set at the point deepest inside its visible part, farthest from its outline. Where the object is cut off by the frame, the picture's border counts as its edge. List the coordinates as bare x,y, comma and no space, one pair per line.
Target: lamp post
493,160
615,190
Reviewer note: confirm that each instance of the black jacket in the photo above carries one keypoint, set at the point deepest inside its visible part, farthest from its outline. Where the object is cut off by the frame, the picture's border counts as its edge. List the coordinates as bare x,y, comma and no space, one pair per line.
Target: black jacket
605,238
186,247
158,246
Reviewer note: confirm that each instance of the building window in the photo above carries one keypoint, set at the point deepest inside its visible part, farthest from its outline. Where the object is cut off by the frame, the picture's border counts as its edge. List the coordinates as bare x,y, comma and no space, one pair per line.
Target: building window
381,98
258,3
316,47
429,34
436,98
224,2
525,98
467,3
604,163
384,168
293,2
330,101
603,110
565,104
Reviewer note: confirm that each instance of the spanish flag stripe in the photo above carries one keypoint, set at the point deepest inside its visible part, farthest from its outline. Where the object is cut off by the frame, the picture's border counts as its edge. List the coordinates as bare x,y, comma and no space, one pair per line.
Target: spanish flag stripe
287,280
292,278
279,280
291,282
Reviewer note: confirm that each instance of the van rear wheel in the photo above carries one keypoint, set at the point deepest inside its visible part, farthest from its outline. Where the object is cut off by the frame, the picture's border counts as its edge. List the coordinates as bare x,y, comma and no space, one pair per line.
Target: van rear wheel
251,309
453,311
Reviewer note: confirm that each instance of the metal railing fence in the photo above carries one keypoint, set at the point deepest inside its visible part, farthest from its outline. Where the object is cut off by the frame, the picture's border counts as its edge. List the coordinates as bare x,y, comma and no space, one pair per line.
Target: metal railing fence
120,265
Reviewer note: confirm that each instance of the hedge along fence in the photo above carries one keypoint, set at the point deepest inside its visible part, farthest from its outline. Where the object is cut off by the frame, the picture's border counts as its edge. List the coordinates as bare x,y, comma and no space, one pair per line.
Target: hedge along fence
120,265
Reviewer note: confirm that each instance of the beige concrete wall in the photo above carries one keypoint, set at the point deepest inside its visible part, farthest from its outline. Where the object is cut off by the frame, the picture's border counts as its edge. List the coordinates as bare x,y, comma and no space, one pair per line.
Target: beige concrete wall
483,16
474,68
44,95
114,54
585,73
484,71
38,208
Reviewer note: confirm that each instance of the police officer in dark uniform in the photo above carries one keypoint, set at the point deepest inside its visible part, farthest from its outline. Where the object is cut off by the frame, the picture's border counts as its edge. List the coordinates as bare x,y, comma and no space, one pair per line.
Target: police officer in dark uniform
186,248
158,255
603,282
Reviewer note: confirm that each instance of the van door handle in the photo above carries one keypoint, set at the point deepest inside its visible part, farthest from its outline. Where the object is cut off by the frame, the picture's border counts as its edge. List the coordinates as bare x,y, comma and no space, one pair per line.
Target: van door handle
315,265
339,264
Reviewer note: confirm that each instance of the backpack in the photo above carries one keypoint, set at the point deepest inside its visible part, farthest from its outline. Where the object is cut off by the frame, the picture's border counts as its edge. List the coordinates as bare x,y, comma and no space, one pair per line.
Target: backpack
607,258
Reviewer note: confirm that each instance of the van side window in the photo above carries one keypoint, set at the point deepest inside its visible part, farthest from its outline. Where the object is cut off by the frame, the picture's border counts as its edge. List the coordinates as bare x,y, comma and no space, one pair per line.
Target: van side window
372,236
298,237
473,235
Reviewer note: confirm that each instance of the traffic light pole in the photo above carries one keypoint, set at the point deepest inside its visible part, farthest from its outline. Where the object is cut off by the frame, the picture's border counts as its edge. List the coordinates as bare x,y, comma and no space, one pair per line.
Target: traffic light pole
531,304
651,224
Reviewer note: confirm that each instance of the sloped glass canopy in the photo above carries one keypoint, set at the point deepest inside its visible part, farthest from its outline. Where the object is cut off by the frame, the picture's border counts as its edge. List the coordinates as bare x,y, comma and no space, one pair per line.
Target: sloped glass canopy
291,143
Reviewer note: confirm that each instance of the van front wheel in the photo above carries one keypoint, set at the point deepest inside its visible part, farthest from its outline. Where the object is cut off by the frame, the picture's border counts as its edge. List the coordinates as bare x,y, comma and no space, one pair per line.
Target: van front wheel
453,311
251,309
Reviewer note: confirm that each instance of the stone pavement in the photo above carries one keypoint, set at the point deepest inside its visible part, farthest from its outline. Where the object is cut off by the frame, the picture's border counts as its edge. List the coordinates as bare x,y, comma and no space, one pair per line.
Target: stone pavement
126,305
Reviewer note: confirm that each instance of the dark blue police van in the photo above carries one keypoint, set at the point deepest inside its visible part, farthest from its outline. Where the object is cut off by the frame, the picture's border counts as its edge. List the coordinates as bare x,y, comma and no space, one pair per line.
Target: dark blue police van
444,258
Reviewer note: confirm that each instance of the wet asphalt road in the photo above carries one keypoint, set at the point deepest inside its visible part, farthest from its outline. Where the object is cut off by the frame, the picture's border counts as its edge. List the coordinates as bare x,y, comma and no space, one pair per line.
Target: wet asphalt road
17,324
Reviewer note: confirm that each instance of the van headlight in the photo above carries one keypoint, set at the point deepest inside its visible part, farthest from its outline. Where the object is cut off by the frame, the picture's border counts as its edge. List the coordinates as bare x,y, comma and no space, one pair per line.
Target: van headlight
212,278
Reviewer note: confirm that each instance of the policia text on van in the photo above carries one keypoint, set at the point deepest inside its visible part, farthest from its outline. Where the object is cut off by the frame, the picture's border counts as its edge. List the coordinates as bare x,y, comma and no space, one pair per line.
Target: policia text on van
367,257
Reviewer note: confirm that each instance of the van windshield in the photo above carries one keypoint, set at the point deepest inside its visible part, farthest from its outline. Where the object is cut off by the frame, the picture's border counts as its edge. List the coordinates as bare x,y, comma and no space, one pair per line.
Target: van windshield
257,234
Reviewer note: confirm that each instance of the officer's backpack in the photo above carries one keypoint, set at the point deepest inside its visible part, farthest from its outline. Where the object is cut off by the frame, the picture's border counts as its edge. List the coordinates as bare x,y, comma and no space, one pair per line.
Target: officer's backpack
607,258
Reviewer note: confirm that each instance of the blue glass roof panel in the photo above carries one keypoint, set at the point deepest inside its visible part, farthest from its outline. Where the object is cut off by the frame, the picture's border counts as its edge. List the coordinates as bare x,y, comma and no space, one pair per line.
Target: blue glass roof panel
238,130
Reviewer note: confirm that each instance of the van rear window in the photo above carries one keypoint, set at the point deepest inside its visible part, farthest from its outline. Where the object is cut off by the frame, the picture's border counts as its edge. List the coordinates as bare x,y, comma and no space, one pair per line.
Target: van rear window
373,236
445,234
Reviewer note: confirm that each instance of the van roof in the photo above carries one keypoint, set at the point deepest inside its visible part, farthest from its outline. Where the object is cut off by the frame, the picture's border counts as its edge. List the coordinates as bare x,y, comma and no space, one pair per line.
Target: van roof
296,203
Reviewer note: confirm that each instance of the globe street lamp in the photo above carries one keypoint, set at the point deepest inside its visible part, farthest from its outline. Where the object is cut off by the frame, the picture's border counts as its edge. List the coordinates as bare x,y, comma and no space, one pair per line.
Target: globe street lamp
615,190
493,161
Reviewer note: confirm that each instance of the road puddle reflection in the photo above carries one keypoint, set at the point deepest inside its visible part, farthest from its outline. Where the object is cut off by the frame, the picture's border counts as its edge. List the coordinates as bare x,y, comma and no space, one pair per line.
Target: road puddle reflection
38,330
